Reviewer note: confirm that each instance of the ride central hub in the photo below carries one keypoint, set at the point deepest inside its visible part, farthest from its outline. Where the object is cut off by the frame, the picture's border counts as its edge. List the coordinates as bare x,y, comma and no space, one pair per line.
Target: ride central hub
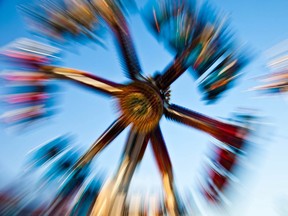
142,105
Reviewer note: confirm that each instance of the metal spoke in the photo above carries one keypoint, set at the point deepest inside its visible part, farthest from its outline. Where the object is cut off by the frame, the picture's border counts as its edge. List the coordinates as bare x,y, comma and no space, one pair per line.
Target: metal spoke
112,197
112,14
127,50
83,78
224,132
108,136
177,67
165,166
133,154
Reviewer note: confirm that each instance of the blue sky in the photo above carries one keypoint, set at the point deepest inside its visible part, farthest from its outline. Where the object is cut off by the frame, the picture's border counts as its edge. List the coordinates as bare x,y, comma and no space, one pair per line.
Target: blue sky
86,115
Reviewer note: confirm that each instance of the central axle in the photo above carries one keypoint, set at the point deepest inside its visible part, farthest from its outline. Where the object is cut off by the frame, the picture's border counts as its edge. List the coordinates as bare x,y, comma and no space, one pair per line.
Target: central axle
141,104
